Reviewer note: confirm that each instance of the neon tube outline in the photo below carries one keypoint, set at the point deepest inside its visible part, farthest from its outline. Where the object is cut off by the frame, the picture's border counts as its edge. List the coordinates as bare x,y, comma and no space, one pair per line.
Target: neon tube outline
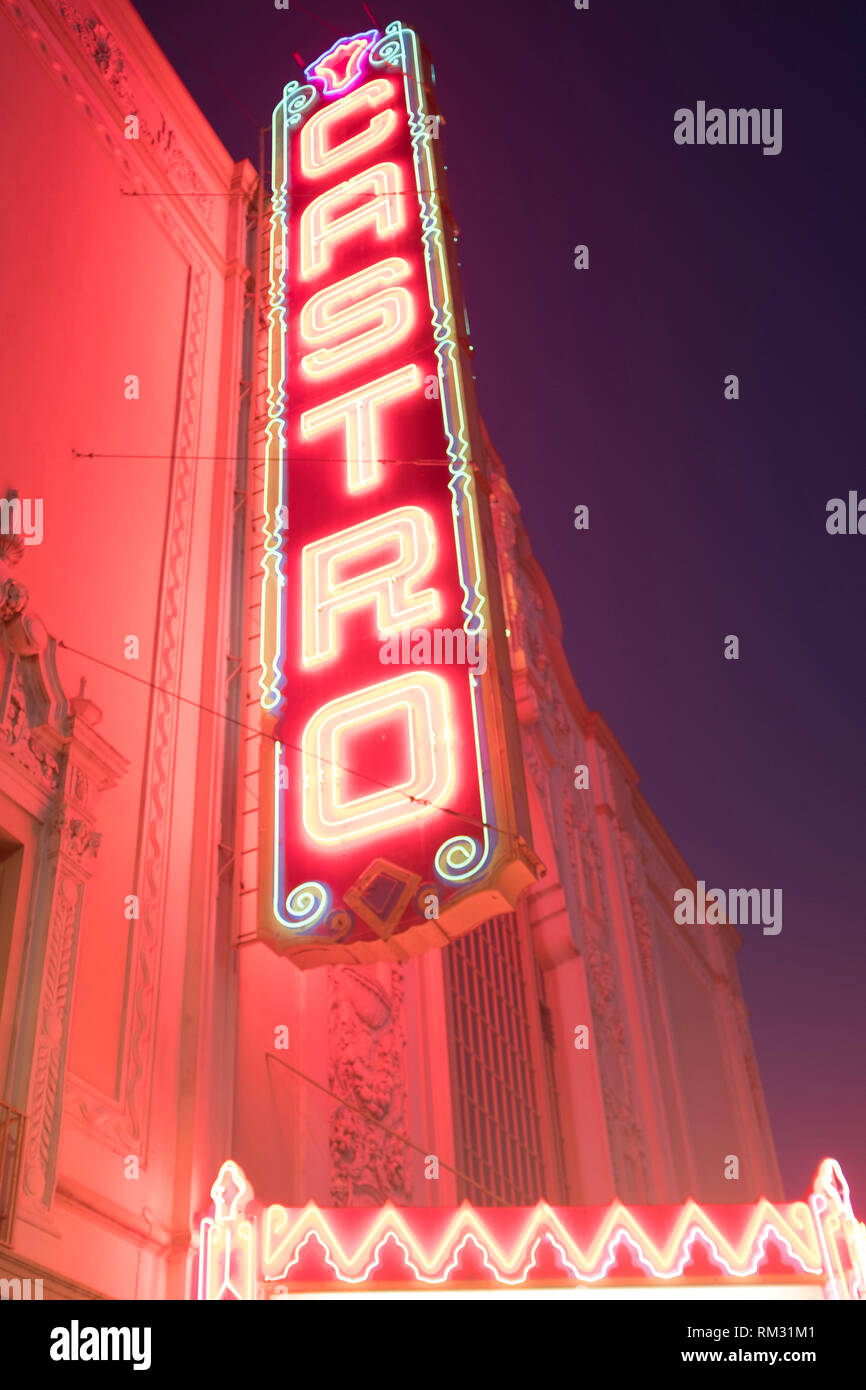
804,1232
397,48
362,51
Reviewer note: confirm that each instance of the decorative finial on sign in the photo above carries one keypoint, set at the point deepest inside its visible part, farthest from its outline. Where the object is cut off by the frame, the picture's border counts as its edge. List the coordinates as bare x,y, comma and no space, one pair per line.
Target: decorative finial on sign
339,70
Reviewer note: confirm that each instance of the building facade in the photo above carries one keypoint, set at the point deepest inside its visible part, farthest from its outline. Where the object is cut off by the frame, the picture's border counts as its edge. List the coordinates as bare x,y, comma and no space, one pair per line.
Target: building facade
572,1044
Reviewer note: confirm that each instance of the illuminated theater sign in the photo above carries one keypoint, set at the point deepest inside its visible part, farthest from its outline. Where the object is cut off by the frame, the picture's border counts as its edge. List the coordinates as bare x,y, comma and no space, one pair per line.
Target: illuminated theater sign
394,768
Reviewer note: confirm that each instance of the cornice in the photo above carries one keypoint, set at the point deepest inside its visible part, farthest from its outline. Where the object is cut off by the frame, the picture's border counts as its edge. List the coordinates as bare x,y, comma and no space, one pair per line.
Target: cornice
153,69
599,730
110,67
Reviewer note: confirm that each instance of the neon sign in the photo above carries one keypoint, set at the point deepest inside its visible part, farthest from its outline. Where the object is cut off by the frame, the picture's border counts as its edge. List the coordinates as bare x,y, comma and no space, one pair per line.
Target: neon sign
816,1247
398,807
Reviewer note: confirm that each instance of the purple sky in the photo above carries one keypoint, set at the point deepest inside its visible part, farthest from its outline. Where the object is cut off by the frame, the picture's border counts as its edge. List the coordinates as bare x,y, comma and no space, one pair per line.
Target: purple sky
707,517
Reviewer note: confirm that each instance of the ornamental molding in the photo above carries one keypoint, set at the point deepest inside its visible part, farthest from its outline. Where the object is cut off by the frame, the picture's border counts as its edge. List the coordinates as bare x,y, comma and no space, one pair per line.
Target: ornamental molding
55,764
87,61
637,897
367,1059
34,752
108,57
46,1082
72,837
46,738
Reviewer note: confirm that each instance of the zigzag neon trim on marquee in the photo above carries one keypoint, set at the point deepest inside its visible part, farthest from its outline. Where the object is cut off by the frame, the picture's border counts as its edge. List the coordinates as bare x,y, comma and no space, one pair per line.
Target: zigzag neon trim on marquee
279,1251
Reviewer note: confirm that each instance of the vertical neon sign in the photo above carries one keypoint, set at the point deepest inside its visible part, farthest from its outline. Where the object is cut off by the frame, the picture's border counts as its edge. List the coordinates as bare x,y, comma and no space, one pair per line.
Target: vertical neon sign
397,803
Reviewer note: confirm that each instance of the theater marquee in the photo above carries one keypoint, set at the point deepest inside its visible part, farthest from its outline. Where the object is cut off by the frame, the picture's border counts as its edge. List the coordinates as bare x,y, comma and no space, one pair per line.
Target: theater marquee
781,1251
393,768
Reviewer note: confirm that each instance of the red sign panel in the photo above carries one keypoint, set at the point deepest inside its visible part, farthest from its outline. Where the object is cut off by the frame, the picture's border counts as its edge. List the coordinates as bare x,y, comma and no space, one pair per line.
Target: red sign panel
394,763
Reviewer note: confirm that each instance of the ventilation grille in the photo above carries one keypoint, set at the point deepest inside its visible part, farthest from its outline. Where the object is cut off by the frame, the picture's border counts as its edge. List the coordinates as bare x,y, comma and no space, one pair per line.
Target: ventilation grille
496,1113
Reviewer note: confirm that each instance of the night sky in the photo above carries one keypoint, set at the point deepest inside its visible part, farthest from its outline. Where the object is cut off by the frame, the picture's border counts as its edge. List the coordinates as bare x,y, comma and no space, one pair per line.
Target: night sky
605,387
